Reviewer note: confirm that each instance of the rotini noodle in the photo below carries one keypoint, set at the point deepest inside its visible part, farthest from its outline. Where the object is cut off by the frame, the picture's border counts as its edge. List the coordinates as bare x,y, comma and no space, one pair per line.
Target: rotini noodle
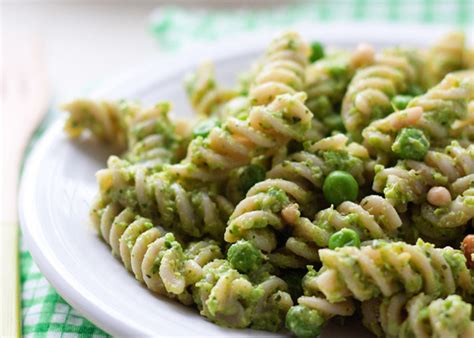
446,56
370,91
419,316
384,269
194,212
229,298
153,256
282,70
205,96
327,79
239,139
409,180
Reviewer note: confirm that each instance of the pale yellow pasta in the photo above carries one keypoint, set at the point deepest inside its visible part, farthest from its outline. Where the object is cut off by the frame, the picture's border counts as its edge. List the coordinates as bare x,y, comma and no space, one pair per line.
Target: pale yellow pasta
151,254
384,269
282,70
265,129
369,94
447,55
419,316
229,298
205,95
191,211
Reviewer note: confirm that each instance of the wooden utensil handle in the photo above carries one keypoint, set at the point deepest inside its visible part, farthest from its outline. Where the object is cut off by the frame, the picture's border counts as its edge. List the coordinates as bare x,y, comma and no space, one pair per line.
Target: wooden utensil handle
10,322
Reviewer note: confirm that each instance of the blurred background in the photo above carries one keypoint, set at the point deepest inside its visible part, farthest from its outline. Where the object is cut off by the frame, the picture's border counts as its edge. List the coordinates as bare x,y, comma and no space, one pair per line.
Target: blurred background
86,41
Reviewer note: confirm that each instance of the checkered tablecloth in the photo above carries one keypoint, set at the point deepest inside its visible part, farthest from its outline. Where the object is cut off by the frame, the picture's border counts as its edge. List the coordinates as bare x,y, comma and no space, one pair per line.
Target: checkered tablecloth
44,312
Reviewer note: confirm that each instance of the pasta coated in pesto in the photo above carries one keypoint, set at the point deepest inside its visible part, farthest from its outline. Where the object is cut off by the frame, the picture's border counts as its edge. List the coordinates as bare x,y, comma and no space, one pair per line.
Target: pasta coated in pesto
323,181
419,316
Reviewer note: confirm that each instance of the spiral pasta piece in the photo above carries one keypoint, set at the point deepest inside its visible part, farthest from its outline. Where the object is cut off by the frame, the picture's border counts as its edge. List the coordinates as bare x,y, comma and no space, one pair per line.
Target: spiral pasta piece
409,181
102,118
327,79
370,91
229,298
469,58
441,112
282,70
372,218
419,316
153,256
463,129
446,224
446,56
155,140
456,213
310,167
205,95
194,212
386,268
443,105
265,129
149,136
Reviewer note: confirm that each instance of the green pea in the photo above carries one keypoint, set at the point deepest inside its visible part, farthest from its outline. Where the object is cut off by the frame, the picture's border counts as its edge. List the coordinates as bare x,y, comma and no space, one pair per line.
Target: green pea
340,186
400,102
204,128
317,51
334,122
304,322
411,144
244,256
251,175
344,237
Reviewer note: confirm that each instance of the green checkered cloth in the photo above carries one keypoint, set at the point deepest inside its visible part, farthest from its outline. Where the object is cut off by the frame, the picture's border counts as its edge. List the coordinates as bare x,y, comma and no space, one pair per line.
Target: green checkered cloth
44,312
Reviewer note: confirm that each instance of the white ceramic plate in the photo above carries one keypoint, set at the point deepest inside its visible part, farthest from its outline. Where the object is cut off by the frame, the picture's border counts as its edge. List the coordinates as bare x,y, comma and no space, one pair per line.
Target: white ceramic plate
59,183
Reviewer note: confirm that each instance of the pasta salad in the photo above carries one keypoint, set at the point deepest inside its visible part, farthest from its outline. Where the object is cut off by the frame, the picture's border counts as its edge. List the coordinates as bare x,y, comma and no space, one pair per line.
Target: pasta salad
326,183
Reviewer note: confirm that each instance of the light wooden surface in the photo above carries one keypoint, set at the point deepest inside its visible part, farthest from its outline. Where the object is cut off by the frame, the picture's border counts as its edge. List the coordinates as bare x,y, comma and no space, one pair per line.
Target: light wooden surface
24,96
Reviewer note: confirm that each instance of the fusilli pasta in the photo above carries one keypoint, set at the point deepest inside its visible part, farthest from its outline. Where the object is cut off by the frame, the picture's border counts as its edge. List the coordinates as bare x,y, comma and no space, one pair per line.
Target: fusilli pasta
205,95
194,212
384,268
300,192
369,94
420,316
229,298
153,256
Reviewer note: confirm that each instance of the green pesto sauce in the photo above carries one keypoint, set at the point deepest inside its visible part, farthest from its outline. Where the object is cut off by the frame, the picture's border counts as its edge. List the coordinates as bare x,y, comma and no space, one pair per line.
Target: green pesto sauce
339,160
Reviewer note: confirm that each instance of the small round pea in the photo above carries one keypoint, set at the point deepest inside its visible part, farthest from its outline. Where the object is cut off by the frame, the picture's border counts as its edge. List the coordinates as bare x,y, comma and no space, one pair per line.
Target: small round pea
344,237
317,51
303,321
251,175
400,102
244,256
204,128
340,186
411,144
